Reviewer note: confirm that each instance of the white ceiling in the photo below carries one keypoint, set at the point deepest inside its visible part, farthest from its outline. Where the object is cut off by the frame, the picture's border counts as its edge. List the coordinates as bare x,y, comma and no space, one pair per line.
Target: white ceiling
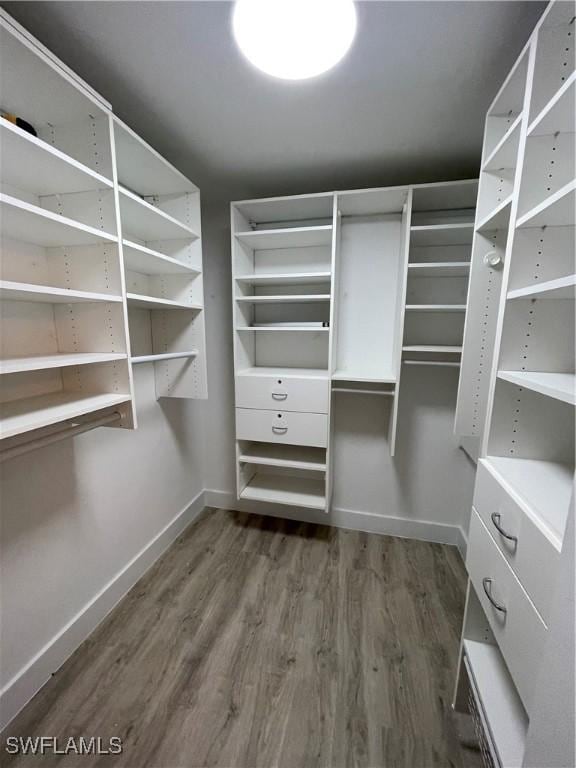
405,105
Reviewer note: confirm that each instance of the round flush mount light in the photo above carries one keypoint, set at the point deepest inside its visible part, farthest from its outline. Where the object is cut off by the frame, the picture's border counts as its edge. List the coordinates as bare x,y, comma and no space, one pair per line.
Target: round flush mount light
294,39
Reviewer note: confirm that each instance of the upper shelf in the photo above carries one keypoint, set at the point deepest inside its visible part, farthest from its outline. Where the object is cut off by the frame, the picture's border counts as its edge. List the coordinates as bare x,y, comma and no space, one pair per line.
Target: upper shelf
139,258
33,165
561,288
560,386
505,153
439,269
558,114
285,278
14,291
284,298
366,375
32,224
149,223
153,302
41,362
556,211
294,237
497,218
442,234
436,307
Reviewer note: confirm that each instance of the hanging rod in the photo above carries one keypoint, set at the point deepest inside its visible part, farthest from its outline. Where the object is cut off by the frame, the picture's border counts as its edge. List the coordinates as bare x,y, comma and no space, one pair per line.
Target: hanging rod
444,363
71,429
363,391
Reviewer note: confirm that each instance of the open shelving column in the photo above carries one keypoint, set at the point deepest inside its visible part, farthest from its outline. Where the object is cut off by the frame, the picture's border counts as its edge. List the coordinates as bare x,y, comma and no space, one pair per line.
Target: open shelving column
162,256
64,354
282,294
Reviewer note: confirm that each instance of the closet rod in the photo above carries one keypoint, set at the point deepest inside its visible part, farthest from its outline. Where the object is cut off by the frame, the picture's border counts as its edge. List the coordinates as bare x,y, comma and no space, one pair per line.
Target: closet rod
362,391
70,430
446,364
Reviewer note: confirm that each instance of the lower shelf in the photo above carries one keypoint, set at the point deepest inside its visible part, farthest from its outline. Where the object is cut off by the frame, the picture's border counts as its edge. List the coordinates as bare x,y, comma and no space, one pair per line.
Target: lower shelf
283,489
291,456
30,413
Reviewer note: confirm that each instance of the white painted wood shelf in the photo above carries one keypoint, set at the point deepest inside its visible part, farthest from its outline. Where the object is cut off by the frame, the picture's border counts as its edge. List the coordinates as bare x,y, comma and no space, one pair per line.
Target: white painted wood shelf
557,210
160,356
284,298
286,278
436,307
289,456
147,261
32,224
287,490
155,302
267,371
439,269
558,114
20,416
560,288
30,164
148,222
459,233
504,154
561,386
40,362
13,291
284,328
294,237
433,348
497,218
365,376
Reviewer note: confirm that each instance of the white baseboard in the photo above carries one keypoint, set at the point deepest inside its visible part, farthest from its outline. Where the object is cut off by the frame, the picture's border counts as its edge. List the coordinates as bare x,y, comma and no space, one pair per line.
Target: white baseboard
18,691
348,519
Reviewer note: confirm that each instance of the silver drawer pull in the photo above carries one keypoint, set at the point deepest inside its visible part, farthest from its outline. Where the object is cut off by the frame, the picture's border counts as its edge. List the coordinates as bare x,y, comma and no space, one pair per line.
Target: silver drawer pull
487,584
495,517
279,395
279,430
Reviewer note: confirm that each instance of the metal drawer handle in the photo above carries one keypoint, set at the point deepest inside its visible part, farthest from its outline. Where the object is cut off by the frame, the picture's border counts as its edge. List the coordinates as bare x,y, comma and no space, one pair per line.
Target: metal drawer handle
487,584
279,395
279,430
495,517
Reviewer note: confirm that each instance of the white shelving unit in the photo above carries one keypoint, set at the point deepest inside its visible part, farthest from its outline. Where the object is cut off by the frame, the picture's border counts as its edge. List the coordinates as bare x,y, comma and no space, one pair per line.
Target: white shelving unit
64,348
519,401
162,254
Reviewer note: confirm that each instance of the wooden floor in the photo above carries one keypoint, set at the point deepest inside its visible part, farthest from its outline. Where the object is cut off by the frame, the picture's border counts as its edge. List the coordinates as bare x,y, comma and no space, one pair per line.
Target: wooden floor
260,643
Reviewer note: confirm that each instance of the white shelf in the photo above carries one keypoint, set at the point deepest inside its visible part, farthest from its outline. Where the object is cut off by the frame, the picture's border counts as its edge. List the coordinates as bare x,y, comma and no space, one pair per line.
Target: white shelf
21,416
556,211
284,298
460,233
139,258
40,362
285,373
12,291
440,269
558,114
435,348
285,489
436,307
32,224
542,488
148,222
154,358
504,154
366,376
290,456
498,218
295,237
286,278
499,701
153,302
561,386
285,329
33,165
561,288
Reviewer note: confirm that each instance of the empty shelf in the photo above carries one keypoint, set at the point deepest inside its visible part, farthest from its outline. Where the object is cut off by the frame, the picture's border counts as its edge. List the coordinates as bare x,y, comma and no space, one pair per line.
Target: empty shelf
149,223
34,165
505,153
139,258
558,114
556,211
21,416
154,358
561,288
498,218
439,269
153,302
284,298
291,456
286,278
367,376
12,291
39,362
295,237
435,348
285,489
305,373
32,224
561,386
442,234
498,700
436,307
543,488
285,328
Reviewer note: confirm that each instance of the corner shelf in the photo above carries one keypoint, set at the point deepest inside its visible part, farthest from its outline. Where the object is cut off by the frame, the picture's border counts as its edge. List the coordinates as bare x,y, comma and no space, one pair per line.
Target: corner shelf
147,261
153,302
149,223
42,362
560,386
295,237
13,291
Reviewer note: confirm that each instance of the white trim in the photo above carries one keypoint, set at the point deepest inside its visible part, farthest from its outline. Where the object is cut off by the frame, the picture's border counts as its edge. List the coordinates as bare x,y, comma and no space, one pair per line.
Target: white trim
440,533
32,677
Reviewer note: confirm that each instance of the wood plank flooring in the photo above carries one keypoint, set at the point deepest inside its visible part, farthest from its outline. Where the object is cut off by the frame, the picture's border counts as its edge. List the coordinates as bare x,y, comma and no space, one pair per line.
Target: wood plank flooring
256,642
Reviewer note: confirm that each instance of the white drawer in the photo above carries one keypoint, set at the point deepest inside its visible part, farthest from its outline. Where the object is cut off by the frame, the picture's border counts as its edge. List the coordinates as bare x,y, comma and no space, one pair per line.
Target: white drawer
532,557
289,394
519,631
282,427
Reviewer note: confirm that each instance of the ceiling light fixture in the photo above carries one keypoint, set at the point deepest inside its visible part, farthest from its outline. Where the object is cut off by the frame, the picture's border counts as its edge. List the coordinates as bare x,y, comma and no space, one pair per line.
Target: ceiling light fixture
294,39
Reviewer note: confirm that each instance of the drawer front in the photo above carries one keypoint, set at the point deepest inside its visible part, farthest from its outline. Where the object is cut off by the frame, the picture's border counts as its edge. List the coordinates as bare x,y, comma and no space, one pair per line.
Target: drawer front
532,557
289,394
282,427
519,631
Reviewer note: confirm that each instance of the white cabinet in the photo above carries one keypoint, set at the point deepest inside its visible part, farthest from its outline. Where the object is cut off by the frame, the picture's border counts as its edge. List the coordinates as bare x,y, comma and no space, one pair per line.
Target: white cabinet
282,427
